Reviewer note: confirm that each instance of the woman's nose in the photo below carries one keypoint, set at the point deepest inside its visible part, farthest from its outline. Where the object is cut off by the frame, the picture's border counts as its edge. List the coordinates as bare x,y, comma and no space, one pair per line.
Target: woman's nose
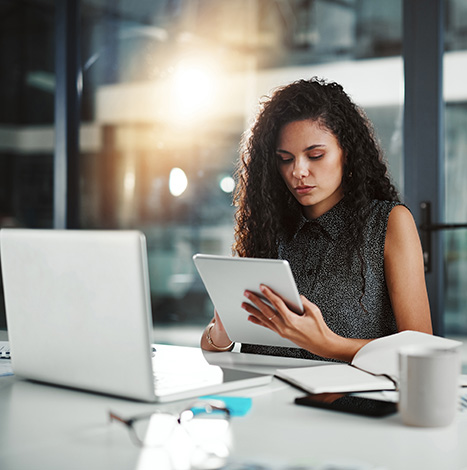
300,170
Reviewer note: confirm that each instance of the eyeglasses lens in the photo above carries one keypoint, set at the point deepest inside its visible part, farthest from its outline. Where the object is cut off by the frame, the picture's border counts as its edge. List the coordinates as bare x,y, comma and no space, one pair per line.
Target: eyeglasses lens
200,436
154,430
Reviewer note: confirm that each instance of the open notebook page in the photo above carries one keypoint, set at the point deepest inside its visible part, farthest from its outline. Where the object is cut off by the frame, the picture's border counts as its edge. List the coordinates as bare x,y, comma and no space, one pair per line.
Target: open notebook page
381,356
332,378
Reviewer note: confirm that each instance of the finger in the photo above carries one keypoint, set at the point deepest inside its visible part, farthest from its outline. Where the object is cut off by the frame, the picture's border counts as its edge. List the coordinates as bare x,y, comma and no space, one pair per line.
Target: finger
260,304
269,314
267,324
276,300
258,317
255,320
256,312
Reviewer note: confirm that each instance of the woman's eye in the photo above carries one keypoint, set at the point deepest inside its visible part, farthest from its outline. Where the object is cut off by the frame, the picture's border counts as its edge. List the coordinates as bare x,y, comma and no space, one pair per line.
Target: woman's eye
315,157
284,159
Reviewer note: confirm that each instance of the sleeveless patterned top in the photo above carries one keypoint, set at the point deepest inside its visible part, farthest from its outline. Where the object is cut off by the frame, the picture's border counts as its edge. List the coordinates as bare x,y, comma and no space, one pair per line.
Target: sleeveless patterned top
320,265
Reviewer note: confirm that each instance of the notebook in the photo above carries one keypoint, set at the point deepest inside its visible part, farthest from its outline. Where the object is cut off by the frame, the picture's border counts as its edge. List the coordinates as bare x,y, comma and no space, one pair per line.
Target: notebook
78,315
374,367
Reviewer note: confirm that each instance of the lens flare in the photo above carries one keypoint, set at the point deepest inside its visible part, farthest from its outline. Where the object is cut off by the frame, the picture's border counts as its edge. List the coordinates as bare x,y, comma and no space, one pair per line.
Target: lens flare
193,89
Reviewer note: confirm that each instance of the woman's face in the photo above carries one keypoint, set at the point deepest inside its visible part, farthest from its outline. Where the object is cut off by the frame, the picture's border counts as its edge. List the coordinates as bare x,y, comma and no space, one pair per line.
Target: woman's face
311,161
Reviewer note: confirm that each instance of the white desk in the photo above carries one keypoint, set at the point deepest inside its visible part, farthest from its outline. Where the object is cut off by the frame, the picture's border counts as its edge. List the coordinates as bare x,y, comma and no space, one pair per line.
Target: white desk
45,427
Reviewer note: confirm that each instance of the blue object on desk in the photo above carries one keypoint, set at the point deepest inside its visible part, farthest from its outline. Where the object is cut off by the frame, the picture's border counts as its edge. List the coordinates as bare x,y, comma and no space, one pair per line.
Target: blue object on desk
238,406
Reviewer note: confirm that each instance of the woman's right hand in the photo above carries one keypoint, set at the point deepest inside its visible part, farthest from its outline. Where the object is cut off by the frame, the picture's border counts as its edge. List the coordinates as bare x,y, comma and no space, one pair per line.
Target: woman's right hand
219,338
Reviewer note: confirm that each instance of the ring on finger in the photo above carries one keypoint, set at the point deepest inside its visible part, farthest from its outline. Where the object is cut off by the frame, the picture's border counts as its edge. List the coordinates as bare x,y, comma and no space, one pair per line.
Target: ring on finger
270,318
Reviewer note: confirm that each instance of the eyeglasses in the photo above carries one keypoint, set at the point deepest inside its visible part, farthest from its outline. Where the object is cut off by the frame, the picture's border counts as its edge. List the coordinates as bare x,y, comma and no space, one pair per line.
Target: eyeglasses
200,432
153,429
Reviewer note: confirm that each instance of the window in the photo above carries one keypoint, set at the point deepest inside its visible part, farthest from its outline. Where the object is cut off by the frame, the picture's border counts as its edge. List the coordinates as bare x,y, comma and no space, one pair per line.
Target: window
455,95
168,89
27,84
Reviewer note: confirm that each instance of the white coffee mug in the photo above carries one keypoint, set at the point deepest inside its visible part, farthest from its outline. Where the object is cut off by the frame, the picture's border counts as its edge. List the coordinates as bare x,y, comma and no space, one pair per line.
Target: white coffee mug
429,385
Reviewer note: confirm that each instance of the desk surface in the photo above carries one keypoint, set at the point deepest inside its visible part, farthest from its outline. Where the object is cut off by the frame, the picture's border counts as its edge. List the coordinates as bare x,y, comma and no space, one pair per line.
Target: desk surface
46,427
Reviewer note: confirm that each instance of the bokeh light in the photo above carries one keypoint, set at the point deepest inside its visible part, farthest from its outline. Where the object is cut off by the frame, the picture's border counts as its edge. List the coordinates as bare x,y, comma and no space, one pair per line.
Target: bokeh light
178,182
227,184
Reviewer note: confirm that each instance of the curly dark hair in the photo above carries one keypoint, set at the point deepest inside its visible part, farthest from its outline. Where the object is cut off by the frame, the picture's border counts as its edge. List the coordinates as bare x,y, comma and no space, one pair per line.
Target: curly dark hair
266,210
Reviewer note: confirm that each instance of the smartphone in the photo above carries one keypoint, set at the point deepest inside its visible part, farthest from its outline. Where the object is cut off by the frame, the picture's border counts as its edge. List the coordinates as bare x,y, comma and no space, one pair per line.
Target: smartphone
349,403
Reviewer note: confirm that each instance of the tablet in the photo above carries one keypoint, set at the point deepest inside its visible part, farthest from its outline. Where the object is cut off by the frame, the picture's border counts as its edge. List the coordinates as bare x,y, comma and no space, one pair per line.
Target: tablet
226,279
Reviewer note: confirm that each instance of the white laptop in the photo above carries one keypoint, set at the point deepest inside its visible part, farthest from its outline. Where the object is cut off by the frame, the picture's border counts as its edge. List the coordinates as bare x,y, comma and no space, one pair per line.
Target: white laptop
78,315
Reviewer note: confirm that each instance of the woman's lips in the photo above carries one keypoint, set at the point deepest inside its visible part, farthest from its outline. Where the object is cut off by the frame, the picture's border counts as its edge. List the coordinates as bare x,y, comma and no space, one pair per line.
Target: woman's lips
304,189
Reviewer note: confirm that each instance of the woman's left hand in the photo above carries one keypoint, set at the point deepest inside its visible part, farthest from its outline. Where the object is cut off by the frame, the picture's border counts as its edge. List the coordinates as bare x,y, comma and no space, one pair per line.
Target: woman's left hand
308,331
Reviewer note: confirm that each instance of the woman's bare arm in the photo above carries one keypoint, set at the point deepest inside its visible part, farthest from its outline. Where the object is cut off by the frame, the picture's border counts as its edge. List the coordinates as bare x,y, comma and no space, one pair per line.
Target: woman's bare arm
405,273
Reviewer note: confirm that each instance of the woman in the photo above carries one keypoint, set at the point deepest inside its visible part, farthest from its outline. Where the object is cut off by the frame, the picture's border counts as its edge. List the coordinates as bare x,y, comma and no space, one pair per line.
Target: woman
313,189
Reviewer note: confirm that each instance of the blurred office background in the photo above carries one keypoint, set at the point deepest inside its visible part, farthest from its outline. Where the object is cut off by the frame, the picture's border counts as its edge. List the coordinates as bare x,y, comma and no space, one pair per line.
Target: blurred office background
166,88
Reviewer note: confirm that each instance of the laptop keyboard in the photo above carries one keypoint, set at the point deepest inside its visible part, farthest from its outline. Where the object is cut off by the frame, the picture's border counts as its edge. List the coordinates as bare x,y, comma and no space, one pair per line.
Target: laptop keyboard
5,350
165,380
182,369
